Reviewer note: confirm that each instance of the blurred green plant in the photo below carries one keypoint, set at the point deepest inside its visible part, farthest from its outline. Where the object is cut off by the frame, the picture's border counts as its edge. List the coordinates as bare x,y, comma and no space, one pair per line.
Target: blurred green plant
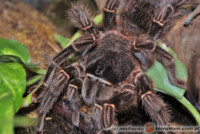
14,58
61,40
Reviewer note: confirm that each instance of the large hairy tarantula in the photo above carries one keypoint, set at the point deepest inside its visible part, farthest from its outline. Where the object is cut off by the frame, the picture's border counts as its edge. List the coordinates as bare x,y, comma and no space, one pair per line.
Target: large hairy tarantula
110,76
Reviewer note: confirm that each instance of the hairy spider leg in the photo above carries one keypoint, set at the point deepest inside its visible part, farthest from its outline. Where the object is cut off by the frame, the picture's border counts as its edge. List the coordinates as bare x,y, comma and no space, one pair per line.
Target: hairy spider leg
58,85
56,82
73,96
122,100
125,99
136,15
145,53
153,104
58,61
103,116
153,17
110,14
80,16
161,22
79,47
168,61
142,50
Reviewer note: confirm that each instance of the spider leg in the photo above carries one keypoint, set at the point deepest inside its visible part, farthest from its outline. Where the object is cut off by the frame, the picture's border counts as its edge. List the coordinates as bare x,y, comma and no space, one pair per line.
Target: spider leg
161,22
168,61
164,18
126,98
73,96
80,16
192,15
79,47
152,103
56,64
110,13
103,116
143,51
57,86
95,89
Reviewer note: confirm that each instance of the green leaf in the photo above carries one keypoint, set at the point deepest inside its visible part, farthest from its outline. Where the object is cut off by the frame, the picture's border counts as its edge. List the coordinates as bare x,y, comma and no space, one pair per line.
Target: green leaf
13,78
12,88
61,40
6,110
11,58
31,67
158,74
10,47
181,70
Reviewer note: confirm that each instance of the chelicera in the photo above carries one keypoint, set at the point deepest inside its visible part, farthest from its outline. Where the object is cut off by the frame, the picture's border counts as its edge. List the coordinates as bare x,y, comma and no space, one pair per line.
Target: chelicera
109,76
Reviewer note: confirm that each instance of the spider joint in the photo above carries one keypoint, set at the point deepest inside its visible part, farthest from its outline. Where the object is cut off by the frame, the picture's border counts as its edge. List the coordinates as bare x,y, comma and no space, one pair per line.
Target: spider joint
67,75
94,39
109,10
87,27
158,22
147,93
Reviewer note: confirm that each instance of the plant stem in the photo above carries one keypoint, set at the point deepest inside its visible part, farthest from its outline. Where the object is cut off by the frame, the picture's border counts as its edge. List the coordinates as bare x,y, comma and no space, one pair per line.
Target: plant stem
187,104
33,80
191,108
28,99
73,38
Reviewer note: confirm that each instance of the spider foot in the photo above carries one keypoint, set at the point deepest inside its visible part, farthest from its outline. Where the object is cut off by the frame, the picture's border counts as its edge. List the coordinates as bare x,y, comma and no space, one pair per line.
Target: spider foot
103,116
80,16
111,6
125,99
110,13
156,108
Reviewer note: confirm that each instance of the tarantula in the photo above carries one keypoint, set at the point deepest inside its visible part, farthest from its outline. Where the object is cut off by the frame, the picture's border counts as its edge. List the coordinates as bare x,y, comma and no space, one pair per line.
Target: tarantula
110,76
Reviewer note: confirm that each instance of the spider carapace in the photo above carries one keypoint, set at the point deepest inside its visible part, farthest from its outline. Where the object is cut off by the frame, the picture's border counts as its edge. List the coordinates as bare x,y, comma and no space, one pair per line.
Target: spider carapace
110,76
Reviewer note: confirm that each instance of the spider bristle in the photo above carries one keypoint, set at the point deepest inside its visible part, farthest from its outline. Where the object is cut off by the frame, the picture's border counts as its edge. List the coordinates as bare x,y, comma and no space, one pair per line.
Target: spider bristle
153,17
157,109
59,82
79,14
168,9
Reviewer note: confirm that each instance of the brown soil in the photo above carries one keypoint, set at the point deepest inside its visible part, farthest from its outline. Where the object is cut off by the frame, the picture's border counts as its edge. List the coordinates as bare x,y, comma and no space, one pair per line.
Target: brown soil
25,24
